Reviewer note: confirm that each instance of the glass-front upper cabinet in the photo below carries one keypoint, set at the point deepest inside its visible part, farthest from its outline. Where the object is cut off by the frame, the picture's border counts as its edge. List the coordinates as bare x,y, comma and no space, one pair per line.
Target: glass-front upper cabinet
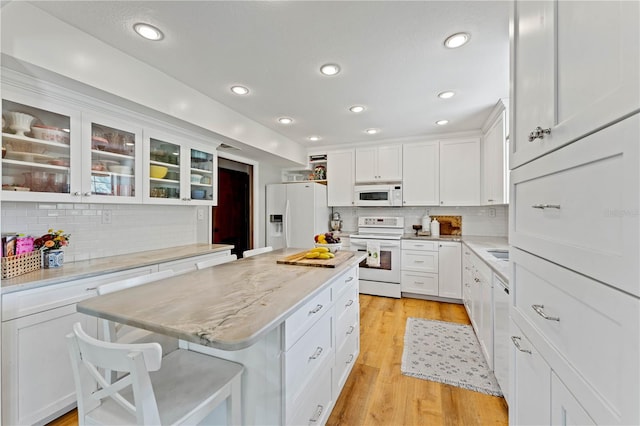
178,173
39,150
112,152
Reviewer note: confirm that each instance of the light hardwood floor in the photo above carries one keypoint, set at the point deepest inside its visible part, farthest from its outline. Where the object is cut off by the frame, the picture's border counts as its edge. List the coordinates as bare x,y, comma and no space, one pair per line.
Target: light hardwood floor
377,393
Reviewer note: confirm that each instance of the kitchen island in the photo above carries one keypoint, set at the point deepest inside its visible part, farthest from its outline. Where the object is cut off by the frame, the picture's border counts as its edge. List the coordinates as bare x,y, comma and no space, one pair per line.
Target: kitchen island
294,328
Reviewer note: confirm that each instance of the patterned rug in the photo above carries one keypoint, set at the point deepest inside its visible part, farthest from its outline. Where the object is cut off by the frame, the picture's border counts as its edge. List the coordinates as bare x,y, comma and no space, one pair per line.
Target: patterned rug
448,353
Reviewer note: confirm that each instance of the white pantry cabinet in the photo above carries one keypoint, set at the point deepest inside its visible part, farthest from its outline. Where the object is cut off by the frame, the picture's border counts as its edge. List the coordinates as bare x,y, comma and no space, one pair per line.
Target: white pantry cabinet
460,172
379,164
341,178
575,67
421,174
494,159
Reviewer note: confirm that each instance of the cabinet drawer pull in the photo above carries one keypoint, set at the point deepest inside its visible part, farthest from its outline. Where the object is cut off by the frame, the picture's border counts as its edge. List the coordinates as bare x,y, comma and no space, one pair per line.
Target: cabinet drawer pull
348,280
351,328
349,303
350,359
540,311
317,414
516,343
91,288
315,310
418,261
316,354
538,132
546,206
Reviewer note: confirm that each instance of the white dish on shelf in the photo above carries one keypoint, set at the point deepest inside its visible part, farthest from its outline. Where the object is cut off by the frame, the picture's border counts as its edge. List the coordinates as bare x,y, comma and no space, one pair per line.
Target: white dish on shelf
28,156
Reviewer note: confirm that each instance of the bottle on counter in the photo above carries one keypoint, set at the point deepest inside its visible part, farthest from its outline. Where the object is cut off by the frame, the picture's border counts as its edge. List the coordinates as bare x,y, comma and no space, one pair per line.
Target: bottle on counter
426,222
435,228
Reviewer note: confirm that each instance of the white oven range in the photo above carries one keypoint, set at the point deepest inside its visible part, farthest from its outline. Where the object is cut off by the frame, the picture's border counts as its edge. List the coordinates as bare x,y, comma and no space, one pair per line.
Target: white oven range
383,280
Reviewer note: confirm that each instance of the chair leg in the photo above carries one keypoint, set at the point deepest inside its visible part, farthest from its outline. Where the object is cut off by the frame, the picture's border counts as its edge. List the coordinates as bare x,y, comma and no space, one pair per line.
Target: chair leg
234,404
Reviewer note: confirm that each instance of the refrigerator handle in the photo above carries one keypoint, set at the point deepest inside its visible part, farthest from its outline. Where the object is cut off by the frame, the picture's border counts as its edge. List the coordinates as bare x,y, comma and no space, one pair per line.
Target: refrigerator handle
286,224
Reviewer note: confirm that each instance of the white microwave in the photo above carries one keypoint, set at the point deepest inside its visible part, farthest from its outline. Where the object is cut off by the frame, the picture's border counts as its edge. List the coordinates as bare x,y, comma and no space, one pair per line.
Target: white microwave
389,195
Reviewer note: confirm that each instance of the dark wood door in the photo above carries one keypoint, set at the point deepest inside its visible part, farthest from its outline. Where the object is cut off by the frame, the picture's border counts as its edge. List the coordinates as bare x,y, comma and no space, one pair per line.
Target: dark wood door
231,217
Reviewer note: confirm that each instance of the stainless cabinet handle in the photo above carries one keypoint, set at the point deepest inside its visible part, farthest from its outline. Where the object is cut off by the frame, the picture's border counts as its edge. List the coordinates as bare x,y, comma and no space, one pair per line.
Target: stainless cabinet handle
490,200
87,194
540,311
350,359
348,280
76,194
91,288
349,303
317,414
546,206
418,261
315,310
351,328
516,343
316,354
538,132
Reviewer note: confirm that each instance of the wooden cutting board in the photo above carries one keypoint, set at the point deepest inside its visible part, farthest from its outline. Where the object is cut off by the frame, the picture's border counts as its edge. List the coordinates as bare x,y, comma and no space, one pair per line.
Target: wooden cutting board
299,259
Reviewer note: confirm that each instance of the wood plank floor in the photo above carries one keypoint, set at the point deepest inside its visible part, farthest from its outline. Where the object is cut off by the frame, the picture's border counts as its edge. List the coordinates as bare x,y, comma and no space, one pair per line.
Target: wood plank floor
377,393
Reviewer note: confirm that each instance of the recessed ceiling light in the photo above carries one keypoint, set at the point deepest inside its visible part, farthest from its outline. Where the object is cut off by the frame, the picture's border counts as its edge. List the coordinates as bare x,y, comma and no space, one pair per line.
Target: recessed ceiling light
356,108
314,138
372,131
285,120
148,31
330,69
239,90
442,122
457,40
446,95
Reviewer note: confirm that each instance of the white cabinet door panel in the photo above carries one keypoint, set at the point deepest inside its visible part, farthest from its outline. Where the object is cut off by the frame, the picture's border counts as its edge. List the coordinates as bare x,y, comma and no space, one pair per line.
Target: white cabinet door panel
460,172
340,178
421,174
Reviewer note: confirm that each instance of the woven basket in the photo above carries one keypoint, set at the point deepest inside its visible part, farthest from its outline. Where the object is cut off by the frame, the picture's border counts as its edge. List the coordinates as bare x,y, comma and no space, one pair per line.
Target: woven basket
13,266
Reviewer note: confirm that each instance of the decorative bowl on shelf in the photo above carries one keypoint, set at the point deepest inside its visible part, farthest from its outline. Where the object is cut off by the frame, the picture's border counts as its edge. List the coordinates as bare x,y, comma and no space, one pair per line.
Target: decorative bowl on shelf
332,247
122,170
196,178
198,194
158,172
48,133
20,122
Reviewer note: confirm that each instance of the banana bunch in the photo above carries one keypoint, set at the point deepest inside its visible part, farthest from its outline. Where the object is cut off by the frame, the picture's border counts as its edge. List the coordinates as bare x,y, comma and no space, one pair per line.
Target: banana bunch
319,253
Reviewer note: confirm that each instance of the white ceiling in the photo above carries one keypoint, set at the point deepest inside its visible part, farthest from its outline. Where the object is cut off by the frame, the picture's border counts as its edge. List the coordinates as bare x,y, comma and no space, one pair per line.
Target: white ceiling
391,53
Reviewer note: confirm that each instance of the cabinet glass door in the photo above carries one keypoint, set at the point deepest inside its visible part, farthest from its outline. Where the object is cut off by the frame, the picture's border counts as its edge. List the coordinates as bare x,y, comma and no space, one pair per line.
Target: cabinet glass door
201,175
164,170
113,165
36,151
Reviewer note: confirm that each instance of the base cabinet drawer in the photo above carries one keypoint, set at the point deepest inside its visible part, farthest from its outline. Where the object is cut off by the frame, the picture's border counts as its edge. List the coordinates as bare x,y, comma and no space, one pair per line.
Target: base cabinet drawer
346,356
419,282
298,323
314,406
567,313
419,261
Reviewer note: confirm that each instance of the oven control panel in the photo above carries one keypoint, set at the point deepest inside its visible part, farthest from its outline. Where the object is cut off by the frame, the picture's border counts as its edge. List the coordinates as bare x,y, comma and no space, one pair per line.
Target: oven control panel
383,222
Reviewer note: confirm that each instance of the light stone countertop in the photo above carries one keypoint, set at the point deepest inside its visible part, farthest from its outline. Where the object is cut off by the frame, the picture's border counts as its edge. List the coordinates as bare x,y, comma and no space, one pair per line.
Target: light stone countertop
229,306
104,265
480,245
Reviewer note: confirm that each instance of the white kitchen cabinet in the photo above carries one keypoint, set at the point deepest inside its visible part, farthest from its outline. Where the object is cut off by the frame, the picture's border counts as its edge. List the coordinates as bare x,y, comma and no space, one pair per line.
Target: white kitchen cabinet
577,206
431,268
494,158
450,270
340,178
460,172
530,383
467,280
191,170
421,174
575,67
481,304
565,408
379,164
501,342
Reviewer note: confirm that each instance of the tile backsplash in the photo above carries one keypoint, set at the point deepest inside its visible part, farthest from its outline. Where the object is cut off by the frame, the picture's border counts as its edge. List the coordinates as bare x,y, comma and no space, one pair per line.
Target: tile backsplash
99,230
481,220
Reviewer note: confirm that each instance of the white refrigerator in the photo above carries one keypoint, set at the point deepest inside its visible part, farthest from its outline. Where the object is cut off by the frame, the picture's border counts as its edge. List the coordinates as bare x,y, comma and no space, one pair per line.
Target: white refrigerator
295,213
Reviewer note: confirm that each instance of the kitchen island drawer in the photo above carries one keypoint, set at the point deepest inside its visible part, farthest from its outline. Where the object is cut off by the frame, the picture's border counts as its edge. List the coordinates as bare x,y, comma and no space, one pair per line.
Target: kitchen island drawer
578,206
307,356
313,407
298,323
347,304
345,282
569,312
347,325
346,356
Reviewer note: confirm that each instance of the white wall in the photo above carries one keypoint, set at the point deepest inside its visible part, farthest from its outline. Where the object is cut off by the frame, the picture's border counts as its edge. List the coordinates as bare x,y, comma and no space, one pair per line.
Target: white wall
475,220
133,228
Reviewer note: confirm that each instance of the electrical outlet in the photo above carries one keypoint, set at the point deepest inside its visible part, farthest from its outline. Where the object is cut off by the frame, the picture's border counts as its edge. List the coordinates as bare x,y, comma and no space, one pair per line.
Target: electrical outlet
492,212
200,214
106,217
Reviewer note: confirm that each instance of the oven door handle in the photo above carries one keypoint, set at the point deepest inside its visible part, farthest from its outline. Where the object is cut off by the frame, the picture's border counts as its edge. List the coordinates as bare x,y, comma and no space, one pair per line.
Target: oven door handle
363,243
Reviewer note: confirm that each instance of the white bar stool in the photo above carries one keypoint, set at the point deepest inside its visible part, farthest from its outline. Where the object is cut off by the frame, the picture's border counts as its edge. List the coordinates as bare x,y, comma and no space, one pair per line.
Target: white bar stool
181,388
253,252
216,261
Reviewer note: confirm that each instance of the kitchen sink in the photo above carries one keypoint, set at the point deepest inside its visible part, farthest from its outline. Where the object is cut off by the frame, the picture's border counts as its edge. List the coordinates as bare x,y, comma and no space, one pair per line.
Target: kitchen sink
499,254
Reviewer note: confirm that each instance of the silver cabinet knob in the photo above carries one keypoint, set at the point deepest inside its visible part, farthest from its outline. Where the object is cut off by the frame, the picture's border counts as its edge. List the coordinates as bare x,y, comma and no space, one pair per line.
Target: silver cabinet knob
86,194
76,194
538,132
